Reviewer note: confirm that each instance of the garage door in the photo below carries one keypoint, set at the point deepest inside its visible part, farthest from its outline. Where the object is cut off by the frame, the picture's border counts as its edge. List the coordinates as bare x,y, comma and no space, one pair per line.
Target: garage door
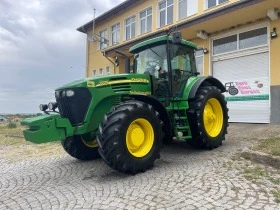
246,78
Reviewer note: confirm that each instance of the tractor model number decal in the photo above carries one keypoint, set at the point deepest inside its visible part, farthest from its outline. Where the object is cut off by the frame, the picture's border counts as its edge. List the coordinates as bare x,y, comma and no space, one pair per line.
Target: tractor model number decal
139,80
102,83
140,92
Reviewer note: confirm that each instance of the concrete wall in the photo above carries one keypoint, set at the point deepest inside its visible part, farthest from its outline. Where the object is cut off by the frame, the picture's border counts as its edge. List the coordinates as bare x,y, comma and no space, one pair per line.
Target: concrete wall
275,74
275,105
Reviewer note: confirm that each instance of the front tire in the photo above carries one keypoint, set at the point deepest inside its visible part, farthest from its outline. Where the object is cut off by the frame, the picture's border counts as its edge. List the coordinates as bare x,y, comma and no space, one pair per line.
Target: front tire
208,116
80,149
130,137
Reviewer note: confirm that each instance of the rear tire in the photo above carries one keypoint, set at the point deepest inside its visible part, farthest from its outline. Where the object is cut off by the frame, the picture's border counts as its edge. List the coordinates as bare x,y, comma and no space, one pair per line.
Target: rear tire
130,137
77,148
208,117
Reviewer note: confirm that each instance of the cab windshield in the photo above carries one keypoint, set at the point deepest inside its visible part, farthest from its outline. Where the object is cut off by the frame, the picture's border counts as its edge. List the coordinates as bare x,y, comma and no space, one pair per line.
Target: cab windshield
153,61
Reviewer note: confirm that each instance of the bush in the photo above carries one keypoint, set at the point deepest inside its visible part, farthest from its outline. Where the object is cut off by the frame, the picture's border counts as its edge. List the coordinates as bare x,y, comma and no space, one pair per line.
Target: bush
12,125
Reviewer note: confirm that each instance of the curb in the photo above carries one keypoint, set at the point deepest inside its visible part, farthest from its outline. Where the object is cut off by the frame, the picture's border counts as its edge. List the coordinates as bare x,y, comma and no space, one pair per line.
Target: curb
263,158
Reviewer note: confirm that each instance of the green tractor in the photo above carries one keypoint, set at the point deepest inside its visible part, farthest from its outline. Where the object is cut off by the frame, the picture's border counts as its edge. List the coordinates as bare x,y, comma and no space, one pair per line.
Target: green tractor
126,118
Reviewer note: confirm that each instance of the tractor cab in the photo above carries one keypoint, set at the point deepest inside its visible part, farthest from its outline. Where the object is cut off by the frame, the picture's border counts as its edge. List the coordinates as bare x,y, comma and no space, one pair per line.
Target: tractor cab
168,60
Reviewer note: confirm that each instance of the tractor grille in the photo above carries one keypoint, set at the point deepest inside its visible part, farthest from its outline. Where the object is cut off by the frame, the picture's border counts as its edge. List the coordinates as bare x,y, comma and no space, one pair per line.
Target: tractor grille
75,107
118,88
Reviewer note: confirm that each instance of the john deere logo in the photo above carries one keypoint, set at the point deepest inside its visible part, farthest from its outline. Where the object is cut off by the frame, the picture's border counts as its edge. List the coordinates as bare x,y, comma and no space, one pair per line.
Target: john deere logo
90,83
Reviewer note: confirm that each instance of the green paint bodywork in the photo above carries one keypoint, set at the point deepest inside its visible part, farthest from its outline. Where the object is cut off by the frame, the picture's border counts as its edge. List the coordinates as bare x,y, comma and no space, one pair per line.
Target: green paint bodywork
47,128
106,92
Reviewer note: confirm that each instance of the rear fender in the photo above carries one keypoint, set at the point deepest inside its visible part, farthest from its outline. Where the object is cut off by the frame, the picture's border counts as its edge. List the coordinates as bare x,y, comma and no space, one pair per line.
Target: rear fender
205,81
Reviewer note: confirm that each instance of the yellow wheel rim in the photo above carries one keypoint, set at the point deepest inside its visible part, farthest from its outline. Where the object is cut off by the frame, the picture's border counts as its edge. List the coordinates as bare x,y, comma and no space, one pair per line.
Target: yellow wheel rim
91,144
140,137
213,117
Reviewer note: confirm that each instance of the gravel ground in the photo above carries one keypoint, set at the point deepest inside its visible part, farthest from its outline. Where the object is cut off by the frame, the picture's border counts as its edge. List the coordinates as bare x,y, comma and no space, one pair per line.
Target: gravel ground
184,178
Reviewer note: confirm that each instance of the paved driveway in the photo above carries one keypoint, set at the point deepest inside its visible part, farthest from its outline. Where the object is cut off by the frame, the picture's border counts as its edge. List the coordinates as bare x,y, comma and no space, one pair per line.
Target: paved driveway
184,178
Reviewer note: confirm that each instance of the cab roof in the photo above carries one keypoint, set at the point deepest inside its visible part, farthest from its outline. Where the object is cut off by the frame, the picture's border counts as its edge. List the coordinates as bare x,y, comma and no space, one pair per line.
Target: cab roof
158,41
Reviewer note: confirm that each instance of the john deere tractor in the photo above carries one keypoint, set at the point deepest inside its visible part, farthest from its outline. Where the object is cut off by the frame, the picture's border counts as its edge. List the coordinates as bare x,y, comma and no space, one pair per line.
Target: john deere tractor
126,118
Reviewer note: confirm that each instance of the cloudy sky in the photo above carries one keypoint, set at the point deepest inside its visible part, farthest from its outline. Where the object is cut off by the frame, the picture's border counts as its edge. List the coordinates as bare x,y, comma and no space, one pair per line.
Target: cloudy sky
40,48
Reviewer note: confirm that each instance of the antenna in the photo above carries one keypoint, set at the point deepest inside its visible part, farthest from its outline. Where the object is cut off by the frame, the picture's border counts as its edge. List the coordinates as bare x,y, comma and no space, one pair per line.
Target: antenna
91,38
94,37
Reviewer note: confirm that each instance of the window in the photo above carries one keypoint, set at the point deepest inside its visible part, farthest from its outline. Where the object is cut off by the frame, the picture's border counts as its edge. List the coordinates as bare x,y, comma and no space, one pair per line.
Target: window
187,8
149,58
212,3
165,12
100,71
253,38
146,21
107,70
103,39
182,59
241,41
115,34
130,28
94,73
199,55
224,45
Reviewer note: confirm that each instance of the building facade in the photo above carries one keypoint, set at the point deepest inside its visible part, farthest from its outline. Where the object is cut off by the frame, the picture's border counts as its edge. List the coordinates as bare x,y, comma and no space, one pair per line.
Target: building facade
237,43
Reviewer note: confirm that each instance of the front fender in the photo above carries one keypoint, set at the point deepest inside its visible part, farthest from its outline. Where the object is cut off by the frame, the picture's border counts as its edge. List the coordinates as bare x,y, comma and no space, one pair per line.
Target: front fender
47,128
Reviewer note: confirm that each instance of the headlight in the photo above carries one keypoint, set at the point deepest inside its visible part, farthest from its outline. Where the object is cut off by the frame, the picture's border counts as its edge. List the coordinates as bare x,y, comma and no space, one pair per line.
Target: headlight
63,93
57,94
70,93
52,105
43,107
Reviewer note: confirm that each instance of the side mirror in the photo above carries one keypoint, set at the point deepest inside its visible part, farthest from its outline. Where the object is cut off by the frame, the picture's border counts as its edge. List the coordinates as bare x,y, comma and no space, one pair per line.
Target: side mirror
117,61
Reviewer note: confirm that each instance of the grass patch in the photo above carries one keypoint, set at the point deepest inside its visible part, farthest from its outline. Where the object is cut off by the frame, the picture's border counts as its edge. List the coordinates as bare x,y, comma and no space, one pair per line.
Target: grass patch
276,194
12,125
246,155
13,147
270,146
275,181
255,173
5,131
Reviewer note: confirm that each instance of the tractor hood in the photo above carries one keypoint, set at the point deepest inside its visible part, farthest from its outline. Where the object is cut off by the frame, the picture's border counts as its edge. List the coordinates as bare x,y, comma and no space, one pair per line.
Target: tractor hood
107,80
90,81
